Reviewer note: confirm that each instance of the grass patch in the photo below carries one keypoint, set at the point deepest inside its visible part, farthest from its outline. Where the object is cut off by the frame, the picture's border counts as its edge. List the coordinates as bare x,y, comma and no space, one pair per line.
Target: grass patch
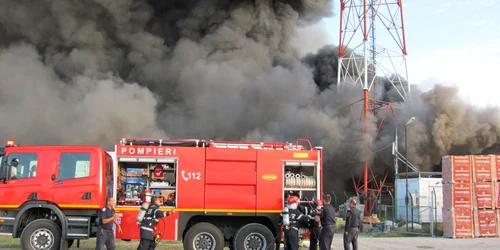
9,242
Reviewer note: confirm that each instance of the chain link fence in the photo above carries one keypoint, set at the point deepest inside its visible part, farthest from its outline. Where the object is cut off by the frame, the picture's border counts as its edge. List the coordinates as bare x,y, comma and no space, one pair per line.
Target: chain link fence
413,217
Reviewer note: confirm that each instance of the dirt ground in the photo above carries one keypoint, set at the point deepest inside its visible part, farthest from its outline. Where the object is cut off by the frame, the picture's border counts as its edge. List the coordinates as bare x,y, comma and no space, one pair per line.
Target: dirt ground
365,242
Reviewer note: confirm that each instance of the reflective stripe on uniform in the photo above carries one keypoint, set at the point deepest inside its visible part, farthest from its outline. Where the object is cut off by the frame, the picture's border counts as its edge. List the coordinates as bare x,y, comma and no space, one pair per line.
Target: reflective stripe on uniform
147,228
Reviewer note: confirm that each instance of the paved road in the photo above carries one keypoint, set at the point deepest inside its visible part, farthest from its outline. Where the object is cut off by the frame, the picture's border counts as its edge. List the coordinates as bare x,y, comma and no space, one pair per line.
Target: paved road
419,243
414,243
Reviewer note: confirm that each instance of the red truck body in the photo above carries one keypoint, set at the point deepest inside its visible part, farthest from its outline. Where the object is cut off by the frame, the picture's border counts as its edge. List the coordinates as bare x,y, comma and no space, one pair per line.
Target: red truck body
225,190
36,181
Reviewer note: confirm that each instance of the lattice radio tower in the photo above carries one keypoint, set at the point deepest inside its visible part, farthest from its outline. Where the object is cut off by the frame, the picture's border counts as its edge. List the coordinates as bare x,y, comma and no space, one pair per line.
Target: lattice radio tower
362,61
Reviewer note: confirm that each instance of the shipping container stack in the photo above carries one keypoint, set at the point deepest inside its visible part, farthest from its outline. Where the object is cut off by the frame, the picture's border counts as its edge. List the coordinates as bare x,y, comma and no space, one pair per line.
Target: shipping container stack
484,185
471,196
496,175
458,216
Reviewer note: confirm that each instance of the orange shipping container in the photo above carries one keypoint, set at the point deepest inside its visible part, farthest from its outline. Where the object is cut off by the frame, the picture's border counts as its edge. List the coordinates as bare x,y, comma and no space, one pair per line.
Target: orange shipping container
497,164
456,168
458,223
484,194
457,195
498,221
485,223
497,194
483,168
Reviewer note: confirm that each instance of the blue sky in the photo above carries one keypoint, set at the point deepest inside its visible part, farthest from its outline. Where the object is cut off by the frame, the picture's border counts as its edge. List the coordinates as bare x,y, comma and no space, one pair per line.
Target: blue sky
449,42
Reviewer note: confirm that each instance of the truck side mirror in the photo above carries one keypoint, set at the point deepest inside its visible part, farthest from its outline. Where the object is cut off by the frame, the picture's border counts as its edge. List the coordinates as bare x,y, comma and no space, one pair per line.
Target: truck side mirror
4,171
53,177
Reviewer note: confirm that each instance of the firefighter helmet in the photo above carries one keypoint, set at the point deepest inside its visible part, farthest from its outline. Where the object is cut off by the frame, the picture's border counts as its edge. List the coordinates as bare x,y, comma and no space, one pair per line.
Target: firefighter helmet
293,202
318,203
292,199
15,162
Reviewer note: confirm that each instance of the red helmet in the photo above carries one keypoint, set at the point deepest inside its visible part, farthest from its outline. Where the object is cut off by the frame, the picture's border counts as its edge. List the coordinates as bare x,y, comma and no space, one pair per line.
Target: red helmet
318,203
292,199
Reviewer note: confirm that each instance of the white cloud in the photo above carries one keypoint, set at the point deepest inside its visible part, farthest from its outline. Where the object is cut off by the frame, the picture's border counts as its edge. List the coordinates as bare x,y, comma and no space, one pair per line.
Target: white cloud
480,22
473,69
443,8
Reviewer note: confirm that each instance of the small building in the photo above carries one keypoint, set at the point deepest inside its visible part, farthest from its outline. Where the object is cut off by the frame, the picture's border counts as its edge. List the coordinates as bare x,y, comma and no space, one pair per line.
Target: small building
426,197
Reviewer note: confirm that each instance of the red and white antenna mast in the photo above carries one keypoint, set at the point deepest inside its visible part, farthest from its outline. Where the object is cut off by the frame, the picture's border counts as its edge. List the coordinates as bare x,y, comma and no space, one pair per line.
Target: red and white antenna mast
361,61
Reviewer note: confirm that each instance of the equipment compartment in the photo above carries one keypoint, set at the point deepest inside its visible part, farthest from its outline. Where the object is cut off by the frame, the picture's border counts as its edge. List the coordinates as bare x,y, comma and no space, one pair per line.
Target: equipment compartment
162,182
300,178
299,181
138,178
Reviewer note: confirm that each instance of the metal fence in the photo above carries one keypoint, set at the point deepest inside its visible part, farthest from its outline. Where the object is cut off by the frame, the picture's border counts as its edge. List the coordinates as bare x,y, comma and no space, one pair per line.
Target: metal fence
421,219
412,218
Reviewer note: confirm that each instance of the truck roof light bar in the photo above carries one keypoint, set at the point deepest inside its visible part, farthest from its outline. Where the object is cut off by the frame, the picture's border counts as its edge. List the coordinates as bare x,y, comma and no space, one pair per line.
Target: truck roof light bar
10,143
214,143
160,142
256,145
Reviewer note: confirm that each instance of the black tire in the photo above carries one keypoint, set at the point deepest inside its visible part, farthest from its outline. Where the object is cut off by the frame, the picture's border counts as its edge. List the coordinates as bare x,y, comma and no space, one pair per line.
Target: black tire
254,236
204,236
45,235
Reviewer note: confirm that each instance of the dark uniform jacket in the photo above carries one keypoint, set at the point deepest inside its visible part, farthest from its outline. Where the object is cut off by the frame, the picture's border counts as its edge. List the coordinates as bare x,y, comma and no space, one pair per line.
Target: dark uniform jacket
353,219
327,215
314,226
106,213
296,217
151,219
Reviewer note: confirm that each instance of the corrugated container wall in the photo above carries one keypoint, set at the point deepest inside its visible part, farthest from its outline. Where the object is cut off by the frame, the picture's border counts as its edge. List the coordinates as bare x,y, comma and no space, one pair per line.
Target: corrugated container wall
471,193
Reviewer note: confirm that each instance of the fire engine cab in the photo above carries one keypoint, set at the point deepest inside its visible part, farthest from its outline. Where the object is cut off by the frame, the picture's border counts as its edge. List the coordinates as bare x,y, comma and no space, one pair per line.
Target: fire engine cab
51,195
224,193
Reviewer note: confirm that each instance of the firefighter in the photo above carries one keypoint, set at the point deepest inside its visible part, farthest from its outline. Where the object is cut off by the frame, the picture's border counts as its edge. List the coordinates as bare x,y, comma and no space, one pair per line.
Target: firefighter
105,234
148,224
13,168
296,219
327,219
315,226
352,226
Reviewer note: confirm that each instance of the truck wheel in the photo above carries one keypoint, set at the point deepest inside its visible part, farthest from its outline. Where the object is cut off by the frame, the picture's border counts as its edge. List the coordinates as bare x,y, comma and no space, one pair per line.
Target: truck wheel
254,236
41,234
204,236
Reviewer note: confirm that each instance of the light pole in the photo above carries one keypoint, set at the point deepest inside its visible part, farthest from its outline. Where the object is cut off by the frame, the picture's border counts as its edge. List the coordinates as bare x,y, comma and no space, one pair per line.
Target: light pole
406,156
395,202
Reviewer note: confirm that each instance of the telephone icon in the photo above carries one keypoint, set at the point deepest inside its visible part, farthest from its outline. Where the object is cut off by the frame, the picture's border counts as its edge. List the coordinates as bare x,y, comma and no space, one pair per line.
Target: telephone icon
190,175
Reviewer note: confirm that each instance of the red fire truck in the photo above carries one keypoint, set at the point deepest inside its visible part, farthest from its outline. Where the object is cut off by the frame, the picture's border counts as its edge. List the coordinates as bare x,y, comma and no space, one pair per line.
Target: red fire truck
224,193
